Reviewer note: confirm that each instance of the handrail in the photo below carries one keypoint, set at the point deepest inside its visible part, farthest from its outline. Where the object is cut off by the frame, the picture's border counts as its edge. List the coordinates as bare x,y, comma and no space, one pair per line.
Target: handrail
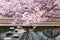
50,22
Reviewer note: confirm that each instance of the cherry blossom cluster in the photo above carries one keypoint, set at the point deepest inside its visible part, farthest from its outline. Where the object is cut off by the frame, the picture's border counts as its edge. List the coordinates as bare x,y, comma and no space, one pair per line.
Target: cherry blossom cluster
29,11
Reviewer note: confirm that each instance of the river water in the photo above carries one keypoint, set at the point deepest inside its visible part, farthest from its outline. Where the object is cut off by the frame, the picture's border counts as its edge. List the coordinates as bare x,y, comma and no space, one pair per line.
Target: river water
37,34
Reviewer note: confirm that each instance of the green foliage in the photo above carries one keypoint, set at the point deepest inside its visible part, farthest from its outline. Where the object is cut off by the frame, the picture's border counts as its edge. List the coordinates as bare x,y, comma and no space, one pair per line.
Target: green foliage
1,39
3,29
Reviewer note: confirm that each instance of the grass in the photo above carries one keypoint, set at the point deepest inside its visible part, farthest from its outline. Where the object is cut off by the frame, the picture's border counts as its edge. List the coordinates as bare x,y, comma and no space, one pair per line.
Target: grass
1,39
3,29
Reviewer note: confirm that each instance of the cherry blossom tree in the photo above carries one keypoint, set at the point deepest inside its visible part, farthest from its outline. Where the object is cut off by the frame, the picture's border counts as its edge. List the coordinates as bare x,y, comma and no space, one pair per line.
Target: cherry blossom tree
29,11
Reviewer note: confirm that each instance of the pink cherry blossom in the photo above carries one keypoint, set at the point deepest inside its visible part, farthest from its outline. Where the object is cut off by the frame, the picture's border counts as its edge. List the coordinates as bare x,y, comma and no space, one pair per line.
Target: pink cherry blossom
29,11
21,30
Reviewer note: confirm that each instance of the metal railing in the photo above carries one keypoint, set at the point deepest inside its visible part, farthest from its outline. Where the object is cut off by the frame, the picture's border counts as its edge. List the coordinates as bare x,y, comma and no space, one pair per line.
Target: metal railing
50,22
